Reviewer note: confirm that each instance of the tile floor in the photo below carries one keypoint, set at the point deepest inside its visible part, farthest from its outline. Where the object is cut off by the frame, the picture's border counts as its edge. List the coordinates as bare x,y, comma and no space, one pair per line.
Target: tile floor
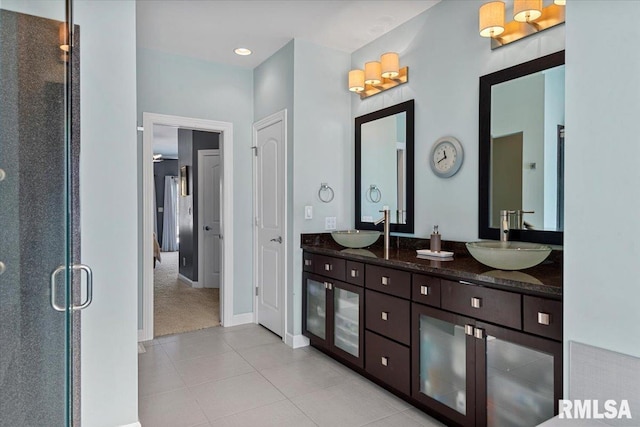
246,376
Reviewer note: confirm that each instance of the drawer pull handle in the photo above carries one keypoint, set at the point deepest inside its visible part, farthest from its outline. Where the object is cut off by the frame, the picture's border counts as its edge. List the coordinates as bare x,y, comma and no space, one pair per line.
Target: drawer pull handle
385,315
424,290
478,333
384,361
354,272
307,262
544,318
468,329
328,285
328,267
385,280
476,302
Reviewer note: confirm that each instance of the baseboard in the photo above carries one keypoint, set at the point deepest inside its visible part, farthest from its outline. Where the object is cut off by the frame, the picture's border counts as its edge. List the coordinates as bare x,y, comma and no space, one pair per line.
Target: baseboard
188,281
241,319
136,424
296,341
143,336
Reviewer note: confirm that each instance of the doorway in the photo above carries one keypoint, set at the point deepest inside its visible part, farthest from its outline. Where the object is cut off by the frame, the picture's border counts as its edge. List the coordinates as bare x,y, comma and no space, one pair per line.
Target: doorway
225,131
506,175
270,232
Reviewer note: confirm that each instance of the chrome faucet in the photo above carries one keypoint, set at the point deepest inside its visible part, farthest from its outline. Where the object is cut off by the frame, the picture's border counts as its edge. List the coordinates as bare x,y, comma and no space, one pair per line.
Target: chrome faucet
505,222
387,228
504,225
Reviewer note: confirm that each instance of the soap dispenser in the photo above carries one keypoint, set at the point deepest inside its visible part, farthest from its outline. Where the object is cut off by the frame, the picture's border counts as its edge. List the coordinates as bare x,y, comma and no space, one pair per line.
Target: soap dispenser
435,242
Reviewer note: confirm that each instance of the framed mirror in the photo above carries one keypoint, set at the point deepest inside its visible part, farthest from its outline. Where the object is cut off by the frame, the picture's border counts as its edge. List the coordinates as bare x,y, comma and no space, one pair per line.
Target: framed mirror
522,151
384,167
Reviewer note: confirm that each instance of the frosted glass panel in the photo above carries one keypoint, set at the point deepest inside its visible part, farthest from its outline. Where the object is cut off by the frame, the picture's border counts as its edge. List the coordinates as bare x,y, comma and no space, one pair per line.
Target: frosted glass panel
519,385
316,308
346,309
443,370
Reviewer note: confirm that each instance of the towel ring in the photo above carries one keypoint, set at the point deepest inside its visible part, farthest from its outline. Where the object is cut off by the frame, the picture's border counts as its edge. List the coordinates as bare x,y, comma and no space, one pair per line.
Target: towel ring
324,187
374,194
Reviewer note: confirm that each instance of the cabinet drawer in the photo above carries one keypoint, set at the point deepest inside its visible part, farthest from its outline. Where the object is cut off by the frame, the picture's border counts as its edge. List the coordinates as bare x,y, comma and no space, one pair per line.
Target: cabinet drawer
426,289
355,273
492,305
388,316
388,361
329,266
542,317
387,280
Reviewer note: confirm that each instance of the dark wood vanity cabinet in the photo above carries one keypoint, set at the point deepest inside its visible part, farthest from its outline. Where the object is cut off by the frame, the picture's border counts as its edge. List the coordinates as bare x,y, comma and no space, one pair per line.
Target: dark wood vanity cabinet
468,354
333,313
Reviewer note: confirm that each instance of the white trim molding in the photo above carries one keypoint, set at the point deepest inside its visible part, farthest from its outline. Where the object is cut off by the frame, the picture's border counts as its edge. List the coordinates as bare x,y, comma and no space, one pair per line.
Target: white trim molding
296,341
226,148
185,279
136,424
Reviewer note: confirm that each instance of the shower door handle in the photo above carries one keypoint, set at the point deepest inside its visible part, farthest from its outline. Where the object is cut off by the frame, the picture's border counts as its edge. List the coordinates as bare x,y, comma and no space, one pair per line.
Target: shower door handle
89,294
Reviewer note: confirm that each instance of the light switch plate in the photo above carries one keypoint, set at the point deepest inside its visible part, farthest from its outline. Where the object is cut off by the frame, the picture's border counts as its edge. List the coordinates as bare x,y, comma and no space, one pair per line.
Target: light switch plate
330,223
308,212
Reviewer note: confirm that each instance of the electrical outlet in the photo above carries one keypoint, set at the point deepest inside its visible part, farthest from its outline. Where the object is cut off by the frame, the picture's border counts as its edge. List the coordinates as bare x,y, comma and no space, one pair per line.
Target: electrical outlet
330,223
308,212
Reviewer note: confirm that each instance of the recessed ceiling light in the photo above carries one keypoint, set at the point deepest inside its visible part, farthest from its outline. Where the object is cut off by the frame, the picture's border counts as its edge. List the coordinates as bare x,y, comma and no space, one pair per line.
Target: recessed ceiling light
243,51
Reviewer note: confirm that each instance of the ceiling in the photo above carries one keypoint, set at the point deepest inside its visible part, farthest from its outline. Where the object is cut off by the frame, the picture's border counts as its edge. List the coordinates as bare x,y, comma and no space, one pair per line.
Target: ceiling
211,30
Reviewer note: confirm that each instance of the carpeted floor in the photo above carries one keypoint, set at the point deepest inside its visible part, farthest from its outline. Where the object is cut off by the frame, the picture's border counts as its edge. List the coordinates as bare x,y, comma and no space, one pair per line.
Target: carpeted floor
177,306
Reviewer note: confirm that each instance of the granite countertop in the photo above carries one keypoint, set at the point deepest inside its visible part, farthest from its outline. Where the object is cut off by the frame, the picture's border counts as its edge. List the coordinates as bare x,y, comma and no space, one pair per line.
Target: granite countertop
544,279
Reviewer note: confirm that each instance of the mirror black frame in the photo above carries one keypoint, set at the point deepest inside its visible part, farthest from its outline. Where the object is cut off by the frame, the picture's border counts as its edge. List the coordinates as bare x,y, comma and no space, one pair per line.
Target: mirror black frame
484,229
407,107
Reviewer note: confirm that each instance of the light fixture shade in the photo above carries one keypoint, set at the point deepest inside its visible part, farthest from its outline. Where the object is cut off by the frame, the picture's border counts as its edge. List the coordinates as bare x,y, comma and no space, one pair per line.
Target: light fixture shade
527,10
372,73
356,81
560,2
491,19
390,65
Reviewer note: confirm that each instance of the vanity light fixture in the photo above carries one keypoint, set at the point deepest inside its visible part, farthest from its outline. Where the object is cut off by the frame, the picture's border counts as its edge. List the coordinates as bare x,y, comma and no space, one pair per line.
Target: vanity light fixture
529,17
378,76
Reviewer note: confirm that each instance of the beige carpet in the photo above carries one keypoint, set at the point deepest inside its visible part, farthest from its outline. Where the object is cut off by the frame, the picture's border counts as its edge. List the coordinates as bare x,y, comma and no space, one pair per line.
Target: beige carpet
177,306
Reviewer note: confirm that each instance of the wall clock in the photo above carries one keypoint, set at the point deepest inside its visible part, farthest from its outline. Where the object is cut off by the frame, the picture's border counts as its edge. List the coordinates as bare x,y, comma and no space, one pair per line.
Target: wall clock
446,157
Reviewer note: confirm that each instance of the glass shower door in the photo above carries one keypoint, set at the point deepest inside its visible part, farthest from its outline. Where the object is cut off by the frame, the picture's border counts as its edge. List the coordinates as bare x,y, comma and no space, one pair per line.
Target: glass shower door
38,199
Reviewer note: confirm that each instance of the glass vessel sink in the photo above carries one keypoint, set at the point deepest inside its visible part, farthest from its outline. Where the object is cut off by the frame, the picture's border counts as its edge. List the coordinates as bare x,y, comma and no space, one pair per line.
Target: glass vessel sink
355,238
508,255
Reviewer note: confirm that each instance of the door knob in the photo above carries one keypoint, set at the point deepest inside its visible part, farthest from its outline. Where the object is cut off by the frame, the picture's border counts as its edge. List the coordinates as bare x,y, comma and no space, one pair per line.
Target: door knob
207,228
278,240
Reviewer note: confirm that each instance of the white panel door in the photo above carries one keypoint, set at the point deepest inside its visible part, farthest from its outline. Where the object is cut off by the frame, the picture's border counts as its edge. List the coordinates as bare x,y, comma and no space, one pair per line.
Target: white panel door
270,206
210,220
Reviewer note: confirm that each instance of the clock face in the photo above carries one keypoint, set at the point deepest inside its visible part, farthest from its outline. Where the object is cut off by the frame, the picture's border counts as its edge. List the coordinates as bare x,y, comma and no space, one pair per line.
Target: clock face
446,157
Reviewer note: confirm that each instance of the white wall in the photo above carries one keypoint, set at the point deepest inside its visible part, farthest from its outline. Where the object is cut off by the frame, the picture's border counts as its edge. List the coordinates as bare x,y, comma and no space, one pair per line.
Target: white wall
446,57
602,199
109,377
181,86
323,149
108,108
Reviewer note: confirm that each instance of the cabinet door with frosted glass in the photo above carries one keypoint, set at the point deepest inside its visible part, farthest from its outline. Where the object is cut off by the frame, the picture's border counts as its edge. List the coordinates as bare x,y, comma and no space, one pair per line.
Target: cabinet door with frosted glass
316,306
519,377
443,361
347,321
